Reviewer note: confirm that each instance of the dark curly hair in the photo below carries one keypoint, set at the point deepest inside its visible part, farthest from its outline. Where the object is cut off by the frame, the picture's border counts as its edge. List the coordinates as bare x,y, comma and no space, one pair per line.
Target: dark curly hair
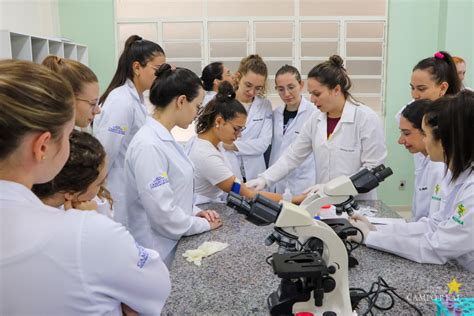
81,169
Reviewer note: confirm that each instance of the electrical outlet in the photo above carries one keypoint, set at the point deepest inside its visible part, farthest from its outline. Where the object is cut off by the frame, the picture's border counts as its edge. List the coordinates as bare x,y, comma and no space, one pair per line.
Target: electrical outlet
402,185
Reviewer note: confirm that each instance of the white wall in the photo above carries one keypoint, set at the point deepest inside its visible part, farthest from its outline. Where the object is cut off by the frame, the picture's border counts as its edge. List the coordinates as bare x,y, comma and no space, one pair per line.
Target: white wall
36,17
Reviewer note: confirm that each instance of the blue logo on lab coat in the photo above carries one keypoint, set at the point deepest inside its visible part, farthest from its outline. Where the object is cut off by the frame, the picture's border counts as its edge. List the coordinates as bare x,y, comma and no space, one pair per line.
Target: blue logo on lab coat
159,181
118,129
142,256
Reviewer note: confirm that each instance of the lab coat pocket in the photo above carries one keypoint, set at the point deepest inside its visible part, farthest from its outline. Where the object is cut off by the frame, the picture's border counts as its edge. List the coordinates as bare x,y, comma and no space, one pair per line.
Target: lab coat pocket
347,159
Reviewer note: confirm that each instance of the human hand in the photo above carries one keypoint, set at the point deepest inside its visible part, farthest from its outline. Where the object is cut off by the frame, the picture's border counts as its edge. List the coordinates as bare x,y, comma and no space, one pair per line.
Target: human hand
85,205
365,220
127,311
257,184
298,199
216,223
313,189
210,215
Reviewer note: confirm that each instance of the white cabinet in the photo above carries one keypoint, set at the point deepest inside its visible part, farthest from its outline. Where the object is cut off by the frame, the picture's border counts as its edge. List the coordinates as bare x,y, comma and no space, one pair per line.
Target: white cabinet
34,48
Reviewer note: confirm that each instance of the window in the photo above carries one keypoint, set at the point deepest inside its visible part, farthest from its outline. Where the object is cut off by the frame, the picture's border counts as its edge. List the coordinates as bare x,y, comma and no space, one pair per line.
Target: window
302,33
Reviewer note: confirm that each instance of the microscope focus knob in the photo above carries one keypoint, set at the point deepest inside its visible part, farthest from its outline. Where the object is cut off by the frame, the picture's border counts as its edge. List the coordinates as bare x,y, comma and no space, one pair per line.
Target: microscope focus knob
329,284
332,269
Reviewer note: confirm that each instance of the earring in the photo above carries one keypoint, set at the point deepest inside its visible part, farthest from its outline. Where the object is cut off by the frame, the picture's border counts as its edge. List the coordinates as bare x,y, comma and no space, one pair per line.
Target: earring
217,125
43,158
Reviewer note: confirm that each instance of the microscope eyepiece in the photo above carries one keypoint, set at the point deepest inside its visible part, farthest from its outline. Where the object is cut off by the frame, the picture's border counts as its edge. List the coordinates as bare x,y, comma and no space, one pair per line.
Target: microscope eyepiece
259,211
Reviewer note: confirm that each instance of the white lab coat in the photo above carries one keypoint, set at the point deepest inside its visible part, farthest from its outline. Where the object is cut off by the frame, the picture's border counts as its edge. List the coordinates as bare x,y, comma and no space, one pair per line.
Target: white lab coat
208,97
429,241
72,263
254,140
301,178
159,191
427,175
123,114
357,142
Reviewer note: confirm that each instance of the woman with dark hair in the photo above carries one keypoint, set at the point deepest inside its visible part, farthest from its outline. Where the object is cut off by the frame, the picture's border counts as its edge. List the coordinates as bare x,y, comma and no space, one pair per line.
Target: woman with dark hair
221,122
448,138
81,179
212,76
344,136
429,174
123,106
158,174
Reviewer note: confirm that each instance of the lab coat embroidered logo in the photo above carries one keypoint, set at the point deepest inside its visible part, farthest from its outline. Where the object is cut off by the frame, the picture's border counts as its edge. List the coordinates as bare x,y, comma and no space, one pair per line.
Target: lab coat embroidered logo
159,181
460,211
142,256
436,192
116,129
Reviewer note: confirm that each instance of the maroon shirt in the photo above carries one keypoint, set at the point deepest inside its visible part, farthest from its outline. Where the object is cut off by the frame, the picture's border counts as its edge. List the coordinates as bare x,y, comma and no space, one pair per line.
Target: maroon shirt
331,125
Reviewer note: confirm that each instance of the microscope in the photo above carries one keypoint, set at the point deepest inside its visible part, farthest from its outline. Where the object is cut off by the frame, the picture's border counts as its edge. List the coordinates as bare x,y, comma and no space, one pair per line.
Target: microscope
312,260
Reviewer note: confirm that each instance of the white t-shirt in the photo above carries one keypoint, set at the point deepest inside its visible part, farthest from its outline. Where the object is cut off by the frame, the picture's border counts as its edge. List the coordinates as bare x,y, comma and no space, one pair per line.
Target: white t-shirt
210,168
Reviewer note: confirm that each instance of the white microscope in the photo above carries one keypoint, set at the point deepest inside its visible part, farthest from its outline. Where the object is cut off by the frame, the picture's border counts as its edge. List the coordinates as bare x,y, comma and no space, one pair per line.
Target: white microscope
313,268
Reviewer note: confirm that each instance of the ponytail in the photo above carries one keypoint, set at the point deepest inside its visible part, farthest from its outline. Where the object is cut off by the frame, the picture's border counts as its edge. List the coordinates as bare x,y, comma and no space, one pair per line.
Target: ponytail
136,49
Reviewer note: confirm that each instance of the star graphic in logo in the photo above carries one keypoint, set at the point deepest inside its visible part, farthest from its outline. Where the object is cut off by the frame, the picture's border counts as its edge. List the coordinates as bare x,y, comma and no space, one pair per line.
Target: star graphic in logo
454,286
437,188
461,210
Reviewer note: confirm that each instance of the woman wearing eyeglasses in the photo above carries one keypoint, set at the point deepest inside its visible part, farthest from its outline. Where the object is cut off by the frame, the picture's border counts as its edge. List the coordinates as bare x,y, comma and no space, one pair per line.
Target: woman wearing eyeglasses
221,122
123,107
288,120
84,83
246,153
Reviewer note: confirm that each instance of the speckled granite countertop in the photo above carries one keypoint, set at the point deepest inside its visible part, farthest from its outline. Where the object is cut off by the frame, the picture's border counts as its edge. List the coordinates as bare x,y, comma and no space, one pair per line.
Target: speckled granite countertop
237,280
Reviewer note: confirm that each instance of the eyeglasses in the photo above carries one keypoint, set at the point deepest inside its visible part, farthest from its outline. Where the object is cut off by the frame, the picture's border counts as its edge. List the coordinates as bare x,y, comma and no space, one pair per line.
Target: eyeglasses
94,104
281,90
237,129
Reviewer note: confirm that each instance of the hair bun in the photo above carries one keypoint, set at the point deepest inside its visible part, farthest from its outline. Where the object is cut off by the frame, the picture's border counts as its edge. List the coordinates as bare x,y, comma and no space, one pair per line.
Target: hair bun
226,91
337,61
164,70
132,39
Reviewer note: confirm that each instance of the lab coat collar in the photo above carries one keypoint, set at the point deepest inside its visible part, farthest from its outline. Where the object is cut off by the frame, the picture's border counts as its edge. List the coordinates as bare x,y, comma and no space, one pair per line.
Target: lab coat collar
134,92
159,129
348,113
301,108
14,191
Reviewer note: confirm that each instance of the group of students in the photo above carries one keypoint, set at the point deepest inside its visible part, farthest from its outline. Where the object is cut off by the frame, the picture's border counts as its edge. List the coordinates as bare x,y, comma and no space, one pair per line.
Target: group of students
92,264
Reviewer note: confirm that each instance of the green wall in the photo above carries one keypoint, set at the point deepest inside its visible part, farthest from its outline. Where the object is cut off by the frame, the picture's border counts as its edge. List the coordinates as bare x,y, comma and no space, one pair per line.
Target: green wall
416,29
92,23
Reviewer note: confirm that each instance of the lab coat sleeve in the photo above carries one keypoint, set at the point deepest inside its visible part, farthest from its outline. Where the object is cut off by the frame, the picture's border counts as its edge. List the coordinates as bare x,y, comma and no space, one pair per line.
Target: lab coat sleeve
258,145
372,139
113,126
114,265
406,229
294,156
451,239
155,192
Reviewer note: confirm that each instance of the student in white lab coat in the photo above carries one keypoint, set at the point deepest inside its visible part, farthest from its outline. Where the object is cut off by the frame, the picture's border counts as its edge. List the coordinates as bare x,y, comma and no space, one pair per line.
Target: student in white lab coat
246,154
123,107
220,122
429,174
84,84
54,262
212,75
158,174
288,120
448,131
79,182
344,136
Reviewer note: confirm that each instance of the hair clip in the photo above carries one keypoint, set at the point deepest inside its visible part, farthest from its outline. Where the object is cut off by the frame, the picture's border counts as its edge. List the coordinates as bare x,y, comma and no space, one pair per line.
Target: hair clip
439,55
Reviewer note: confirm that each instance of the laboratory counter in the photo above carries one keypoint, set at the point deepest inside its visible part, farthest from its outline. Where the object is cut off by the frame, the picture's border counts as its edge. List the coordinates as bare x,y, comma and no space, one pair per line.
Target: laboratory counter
237,280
